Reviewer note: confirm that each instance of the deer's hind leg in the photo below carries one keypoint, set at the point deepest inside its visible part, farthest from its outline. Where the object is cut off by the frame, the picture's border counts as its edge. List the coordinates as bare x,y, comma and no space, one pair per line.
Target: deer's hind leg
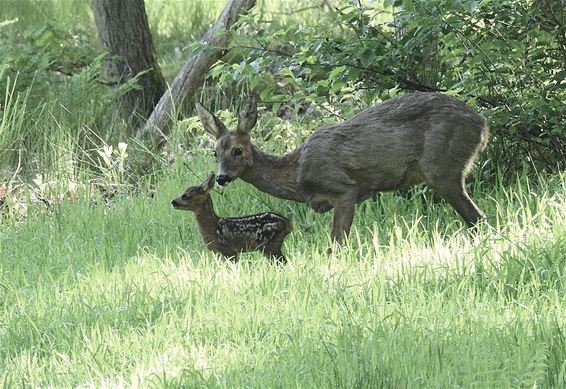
452,189
446,164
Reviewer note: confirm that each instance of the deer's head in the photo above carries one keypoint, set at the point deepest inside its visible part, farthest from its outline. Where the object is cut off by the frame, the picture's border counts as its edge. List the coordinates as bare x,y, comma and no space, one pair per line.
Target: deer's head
233,150
194,197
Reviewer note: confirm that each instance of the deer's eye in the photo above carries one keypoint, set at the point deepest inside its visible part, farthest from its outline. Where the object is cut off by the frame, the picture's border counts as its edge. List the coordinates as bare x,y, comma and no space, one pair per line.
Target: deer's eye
238,151
215,154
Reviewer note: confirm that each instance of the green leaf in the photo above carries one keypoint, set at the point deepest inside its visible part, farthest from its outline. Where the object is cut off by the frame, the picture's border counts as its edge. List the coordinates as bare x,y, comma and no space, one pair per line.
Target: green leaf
266,93
311,59
336,71
473,6
217,69
366,58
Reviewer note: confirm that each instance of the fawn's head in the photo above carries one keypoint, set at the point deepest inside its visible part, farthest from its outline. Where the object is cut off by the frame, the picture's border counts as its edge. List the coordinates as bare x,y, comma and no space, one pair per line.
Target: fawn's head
194,197
233,150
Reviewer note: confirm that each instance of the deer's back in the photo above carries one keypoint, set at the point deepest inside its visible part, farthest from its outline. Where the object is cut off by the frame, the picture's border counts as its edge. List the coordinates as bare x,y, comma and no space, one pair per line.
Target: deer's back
383,147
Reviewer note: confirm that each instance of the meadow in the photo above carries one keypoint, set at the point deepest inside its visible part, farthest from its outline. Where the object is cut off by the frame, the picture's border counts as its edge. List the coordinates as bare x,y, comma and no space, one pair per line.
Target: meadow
123,293
103,284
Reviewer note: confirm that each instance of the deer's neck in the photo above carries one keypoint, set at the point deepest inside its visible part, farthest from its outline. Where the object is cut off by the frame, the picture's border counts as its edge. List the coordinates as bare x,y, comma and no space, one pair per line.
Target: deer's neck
207,222
276,175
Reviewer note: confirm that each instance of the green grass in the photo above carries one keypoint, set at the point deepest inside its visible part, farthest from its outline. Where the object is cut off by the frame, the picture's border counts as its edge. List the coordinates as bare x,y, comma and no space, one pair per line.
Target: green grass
126,294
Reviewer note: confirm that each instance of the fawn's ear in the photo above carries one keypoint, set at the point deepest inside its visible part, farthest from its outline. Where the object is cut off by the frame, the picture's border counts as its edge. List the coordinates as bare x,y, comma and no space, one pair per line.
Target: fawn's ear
208,184
248,116
211,123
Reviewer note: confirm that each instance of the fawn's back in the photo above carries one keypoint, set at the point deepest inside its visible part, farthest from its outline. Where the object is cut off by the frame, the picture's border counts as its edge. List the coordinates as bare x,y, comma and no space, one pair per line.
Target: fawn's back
251,233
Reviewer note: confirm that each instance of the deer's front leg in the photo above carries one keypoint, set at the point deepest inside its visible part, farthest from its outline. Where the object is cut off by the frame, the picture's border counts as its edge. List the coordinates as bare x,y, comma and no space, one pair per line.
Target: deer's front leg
343,217
341,224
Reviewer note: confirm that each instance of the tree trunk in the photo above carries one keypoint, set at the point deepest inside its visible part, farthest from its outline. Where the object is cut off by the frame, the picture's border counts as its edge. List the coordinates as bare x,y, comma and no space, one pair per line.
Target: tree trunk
124,32
192,74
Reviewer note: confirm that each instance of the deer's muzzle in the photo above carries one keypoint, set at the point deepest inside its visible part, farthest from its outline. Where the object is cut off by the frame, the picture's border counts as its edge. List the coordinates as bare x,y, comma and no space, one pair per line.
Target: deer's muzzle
223,179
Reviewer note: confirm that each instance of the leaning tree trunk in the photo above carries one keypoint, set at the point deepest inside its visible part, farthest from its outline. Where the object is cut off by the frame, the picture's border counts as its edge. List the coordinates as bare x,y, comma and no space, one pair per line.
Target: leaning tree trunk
192,74
124,32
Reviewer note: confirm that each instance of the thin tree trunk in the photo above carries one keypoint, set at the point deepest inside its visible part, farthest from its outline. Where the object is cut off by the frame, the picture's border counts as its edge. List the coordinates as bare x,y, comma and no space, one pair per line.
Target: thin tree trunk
192,74
124,31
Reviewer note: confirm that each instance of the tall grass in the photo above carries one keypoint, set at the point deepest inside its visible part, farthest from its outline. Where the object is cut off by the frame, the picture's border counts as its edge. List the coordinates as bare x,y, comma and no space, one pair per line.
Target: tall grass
125,293
47,137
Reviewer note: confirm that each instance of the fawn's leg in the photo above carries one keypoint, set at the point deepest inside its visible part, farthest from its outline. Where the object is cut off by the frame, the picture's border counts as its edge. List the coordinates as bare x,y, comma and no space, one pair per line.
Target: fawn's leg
272,250
232,257
277,257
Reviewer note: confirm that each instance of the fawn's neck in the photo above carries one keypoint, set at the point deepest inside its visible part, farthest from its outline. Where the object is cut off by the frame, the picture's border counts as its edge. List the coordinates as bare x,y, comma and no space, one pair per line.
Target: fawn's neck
276,175
207,222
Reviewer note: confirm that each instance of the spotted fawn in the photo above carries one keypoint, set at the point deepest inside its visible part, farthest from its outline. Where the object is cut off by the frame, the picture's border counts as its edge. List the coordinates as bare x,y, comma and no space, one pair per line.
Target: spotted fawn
231,236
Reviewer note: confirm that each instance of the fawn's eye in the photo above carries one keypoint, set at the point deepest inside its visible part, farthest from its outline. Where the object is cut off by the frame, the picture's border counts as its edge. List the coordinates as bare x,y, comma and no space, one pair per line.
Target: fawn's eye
238,151
215,154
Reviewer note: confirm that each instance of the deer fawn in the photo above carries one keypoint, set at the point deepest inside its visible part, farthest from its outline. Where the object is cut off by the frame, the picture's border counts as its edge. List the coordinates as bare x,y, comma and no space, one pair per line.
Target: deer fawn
263,232
419,137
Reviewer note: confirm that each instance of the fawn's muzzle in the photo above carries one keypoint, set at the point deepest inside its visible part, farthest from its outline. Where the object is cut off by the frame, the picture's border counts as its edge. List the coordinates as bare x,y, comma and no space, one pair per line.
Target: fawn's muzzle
224,179
174,204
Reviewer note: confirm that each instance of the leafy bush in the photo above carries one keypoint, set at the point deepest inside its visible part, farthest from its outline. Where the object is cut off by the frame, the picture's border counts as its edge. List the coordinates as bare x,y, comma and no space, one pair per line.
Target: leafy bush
507,59
55,105
42,56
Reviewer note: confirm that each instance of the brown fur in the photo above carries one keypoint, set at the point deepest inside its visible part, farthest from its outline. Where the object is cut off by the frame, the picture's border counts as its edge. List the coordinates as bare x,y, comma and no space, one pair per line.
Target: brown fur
263,232
420,137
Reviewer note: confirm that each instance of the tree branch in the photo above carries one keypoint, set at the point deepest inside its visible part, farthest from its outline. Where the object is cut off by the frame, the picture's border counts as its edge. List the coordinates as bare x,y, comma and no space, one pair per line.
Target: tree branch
192,74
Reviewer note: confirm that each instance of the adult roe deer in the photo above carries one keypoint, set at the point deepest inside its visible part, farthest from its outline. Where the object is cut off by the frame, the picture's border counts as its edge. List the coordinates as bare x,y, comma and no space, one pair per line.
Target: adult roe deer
419,137
263,232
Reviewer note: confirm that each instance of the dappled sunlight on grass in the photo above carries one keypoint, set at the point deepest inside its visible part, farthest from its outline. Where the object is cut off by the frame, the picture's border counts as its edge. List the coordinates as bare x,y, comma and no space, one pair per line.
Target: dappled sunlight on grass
405,302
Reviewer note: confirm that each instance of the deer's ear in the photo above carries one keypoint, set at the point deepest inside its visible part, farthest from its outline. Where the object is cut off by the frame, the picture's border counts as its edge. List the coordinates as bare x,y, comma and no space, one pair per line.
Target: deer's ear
208,184
211,123
248,116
